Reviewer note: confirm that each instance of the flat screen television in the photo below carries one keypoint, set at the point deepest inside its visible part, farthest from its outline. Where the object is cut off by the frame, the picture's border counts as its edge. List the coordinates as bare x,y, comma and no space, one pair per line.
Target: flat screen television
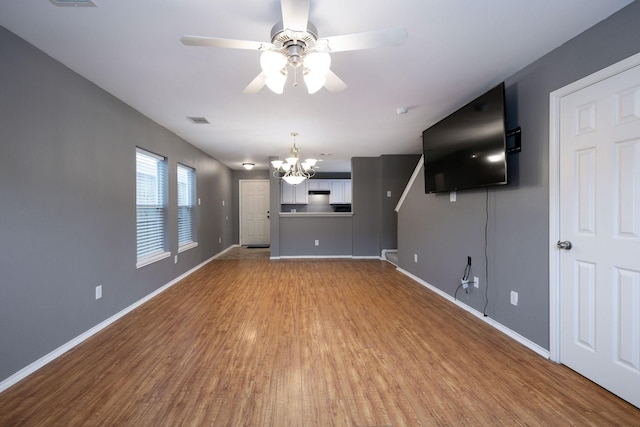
467,149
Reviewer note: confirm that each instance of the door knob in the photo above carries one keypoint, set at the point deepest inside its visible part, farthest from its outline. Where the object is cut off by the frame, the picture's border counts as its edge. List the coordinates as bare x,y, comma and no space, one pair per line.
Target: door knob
564,245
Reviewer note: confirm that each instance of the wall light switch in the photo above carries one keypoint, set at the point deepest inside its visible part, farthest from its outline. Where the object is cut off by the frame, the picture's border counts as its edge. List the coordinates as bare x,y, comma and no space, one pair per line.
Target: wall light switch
388,193
98,291
452,196
415,257
317,242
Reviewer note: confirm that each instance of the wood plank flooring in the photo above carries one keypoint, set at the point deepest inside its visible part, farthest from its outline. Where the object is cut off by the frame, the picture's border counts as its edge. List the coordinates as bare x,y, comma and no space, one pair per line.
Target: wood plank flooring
305,343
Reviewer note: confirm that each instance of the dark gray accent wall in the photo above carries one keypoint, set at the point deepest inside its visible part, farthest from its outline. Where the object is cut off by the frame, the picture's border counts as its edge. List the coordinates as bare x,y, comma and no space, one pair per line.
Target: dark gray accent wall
442,234
395,173
365,205
68,210
375,220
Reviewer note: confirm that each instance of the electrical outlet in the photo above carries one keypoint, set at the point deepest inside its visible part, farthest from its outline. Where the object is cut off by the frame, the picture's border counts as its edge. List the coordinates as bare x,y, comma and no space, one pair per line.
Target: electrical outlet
317,242
415,257
514,298
476,282
98,291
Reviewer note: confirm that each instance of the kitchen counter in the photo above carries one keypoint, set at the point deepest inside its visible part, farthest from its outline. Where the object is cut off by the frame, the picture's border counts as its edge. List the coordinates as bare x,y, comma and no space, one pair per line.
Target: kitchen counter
315,214
316,234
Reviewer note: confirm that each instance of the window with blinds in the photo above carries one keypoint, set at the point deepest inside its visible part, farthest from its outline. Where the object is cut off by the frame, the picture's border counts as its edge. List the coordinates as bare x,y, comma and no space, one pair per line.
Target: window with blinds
151,207
186,207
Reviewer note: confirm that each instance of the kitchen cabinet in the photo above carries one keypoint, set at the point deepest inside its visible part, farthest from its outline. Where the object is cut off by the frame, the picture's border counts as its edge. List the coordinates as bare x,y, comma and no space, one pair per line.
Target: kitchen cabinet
294,194
340,191
320,185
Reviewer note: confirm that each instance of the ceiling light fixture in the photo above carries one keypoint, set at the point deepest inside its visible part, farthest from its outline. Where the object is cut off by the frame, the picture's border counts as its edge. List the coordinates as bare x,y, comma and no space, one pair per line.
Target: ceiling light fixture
297,50
248,166
292,170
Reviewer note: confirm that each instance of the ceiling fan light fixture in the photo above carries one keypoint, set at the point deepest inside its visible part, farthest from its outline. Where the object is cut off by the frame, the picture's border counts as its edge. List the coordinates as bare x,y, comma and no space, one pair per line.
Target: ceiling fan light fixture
276,82
314,82
272,62
318,62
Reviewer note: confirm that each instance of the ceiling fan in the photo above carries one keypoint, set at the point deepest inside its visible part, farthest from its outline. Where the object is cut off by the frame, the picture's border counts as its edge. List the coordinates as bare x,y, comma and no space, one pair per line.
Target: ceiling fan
295,44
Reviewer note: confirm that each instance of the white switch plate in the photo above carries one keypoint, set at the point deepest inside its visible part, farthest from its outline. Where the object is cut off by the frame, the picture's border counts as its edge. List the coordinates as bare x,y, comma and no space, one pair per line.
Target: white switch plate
388,193
175,259
476,281
317,242
98,291
452,196
415,257
514,298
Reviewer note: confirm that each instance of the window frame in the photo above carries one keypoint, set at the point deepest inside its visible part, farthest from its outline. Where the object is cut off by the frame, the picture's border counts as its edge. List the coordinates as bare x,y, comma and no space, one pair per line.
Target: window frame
191,196
161,189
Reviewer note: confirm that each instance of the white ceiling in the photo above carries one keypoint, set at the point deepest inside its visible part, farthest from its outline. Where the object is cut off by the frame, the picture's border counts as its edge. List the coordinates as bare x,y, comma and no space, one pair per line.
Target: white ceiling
456,49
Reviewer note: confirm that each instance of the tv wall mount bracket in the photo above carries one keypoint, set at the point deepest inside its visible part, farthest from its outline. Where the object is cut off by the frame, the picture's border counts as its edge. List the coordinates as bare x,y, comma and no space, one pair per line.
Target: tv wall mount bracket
516,147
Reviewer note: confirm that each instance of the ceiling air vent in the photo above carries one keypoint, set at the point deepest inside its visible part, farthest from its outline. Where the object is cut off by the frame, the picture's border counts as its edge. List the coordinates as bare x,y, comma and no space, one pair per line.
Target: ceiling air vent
89,3
199,120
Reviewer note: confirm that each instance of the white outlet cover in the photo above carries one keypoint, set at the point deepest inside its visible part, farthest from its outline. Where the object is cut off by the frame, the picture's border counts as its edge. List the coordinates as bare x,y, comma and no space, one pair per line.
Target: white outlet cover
514,298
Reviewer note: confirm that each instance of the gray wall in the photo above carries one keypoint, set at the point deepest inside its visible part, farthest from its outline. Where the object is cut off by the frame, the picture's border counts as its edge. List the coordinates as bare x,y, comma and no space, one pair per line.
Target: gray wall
375,220
67,204
443,234
365,204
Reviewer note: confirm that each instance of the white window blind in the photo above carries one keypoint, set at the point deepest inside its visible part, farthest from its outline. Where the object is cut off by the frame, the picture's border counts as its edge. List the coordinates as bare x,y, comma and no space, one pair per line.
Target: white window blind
186,207
151,207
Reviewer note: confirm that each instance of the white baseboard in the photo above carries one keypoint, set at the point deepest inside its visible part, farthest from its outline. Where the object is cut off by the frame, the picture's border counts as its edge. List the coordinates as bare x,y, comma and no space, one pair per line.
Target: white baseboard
314,256
31,368
499,326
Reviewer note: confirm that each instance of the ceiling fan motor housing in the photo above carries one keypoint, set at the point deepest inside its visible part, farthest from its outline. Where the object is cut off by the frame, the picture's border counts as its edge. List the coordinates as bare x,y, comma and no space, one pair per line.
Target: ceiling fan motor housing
294,44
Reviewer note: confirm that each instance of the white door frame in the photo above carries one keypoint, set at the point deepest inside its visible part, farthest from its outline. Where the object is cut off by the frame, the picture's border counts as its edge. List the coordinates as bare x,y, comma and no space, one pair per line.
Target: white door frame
554,191
240,204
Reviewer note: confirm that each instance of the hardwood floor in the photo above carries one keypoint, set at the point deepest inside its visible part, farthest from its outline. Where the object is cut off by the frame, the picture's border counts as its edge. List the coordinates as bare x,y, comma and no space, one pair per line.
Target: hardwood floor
305,343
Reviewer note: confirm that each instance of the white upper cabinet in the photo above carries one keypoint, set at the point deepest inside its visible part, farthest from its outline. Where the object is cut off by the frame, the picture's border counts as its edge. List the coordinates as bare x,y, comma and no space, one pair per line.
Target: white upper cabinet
294,194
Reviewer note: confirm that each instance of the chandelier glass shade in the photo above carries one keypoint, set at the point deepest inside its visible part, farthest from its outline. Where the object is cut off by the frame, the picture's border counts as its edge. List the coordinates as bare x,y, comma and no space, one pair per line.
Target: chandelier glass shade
291,169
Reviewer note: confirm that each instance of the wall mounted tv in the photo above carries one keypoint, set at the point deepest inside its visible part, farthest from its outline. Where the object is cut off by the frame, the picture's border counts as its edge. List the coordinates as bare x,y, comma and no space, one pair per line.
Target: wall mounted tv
467,149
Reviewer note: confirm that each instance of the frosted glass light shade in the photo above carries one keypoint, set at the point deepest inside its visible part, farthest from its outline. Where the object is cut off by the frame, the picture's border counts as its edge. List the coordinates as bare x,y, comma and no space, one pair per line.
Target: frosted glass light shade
294,180
272,62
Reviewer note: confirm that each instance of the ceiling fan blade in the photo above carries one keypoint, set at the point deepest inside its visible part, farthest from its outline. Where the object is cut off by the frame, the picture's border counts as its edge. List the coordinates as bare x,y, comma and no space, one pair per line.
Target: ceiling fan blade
255,85
224,43
334,83
295,14
392,36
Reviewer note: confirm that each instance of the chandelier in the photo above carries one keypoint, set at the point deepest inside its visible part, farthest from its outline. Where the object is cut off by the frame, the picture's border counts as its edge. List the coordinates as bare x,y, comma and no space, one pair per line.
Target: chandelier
291,169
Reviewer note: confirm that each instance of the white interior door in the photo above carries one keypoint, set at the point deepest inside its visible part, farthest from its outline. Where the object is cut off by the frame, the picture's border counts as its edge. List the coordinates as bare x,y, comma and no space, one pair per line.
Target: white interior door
254,212
599,205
